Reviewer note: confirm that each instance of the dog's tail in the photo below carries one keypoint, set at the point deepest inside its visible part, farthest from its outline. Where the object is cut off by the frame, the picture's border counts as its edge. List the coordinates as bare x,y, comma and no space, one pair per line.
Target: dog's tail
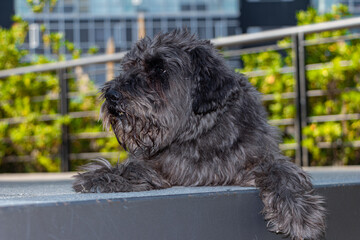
290,204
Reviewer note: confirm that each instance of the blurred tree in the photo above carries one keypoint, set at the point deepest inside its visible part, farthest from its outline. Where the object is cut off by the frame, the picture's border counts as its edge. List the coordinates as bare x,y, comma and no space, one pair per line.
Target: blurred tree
38,6
340,82
25,98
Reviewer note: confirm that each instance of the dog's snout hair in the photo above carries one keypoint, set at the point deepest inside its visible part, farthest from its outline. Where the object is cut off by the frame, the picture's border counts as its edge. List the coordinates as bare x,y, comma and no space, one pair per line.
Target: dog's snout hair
187,119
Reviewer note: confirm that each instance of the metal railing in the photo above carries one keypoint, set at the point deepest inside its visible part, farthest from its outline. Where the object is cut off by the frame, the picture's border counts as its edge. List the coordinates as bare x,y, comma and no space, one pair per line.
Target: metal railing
300,95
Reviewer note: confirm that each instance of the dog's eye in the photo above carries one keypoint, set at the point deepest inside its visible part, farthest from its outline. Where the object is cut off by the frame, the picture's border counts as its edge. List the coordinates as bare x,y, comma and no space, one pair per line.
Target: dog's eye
154,64
160,70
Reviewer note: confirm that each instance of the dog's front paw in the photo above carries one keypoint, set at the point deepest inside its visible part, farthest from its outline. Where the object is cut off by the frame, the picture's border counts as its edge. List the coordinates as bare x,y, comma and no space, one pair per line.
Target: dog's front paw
301,217
102,180
95,178
101,177
88,183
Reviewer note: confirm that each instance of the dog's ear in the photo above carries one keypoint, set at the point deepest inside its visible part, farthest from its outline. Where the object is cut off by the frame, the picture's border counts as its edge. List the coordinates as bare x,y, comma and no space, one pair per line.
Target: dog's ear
213,80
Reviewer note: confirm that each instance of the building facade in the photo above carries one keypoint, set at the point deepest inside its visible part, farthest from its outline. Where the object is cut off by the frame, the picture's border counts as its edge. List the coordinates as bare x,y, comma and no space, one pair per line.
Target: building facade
6,12
90,23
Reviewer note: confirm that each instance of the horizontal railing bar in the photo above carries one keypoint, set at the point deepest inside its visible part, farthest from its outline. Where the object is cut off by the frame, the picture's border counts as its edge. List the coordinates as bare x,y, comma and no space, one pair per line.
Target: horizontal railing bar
270,97
355,144
285,32
75,136
309,93
318,66
91,72
73,156
55,96
279,122
336,117
51,117
287,146
318,119
128,15
239,52
320,93
104,58
92,155
331,39
70,95
322,145
14,159
91,135
276,47
316,93
260,73
285,70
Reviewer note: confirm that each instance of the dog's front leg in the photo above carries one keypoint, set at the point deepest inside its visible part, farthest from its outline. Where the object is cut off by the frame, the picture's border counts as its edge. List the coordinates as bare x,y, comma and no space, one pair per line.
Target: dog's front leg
290,205
130,176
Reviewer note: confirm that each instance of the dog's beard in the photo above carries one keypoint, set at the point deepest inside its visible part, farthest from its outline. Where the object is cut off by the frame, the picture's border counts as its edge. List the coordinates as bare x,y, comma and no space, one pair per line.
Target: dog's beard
110,122
132,132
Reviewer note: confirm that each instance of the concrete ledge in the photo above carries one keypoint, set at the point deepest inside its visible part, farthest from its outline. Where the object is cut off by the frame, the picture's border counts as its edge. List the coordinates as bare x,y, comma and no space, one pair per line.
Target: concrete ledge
26,177
51,210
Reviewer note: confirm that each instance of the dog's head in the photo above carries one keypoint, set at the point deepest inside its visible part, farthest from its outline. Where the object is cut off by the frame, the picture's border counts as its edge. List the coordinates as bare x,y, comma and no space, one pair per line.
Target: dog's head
168,85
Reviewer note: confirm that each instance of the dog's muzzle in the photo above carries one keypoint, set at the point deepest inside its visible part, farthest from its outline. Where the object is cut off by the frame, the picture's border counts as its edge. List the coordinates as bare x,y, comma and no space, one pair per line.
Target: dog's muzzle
113,96
114,100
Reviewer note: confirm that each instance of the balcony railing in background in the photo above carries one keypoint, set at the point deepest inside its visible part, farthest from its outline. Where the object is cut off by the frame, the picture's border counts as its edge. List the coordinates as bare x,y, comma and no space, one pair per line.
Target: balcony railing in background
233,46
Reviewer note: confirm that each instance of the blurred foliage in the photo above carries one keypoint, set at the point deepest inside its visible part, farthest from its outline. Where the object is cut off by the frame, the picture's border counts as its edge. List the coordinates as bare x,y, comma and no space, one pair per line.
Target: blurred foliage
340,82
38,6
25,99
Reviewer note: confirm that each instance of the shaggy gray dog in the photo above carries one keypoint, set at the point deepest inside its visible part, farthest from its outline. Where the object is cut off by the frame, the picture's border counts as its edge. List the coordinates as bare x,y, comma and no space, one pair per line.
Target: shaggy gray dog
186,119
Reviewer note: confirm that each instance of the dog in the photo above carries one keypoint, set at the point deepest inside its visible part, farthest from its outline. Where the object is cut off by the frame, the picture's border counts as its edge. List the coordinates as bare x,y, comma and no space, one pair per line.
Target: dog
186,119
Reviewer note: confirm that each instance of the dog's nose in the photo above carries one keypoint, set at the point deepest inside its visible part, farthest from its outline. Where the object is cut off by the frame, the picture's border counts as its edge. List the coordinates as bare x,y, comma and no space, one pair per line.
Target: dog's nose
113,96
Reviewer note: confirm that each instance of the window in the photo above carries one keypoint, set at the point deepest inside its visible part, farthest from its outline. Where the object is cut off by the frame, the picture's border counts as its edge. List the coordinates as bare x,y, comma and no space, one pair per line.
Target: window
99,35
84,35
68,6
201,7
69,34
185,7
84,6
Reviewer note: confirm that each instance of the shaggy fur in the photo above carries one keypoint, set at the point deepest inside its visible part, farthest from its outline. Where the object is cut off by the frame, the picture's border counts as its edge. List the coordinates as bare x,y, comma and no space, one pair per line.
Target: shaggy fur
187,119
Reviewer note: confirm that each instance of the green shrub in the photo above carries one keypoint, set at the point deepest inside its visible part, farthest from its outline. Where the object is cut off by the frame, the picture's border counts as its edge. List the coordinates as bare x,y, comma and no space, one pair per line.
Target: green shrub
341,83
25,98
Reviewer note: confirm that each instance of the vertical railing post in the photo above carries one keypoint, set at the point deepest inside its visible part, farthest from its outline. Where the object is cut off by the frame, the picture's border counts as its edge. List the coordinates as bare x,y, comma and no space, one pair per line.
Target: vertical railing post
302,156
64,108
